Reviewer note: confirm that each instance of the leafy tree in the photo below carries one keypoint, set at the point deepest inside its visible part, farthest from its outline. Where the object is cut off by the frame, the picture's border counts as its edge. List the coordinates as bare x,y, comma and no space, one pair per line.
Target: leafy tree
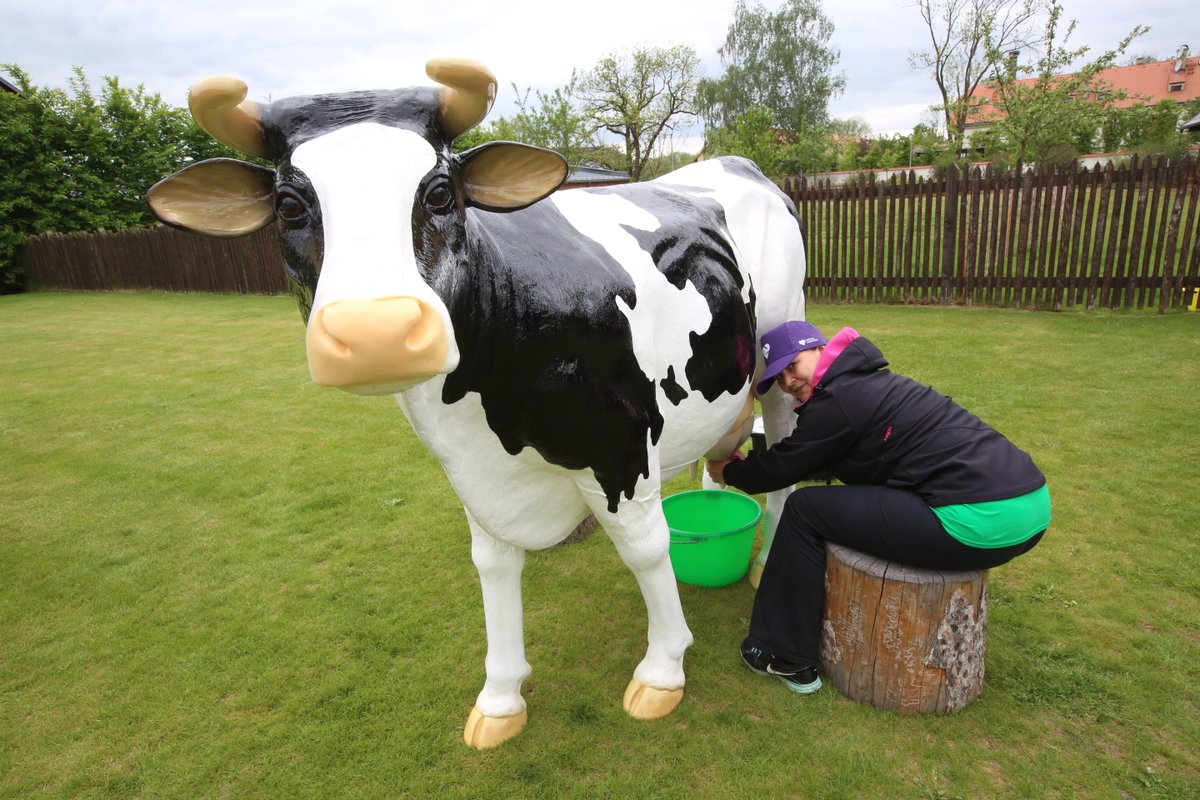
499,129
887,152
860,149
608,156
554,121
661,165
78,161
968,40
1147,128
1186,112
33,150
856,127
927,143
639,96
777,152
1055,115
753,135
850,153
780,61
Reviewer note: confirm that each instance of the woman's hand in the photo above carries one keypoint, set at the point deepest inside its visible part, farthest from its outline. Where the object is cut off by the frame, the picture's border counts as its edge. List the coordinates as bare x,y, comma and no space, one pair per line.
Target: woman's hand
716,470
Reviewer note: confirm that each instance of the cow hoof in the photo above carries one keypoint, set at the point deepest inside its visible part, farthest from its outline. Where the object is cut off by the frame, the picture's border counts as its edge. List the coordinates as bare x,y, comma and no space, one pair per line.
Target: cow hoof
756,571
647,702
483,731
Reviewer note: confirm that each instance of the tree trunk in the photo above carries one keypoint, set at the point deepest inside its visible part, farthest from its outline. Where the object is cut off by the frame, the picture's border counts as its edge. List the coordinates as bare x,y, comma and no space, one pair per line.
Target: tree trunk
900,638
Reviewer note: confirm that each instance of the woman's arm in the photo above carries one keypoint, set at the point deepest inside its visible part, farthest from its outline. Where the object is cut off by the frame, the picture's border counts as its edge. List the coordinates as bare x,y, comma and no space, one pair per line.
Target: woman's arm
821,435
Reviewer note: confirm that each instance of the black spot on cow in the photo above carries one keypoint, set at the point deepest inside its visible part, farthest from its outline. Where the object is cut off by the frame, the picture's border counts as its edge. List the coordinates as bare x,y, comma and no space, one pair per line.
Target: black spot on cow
671,388
548,350
291,121
692,245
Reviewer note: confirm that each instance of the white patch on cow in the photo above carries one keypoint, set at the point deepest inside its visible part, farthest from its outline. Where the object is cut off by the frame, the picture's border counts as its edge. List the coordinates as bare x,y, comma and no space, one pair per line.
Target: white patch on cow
366,177
769,246
494,486
661,324
664,316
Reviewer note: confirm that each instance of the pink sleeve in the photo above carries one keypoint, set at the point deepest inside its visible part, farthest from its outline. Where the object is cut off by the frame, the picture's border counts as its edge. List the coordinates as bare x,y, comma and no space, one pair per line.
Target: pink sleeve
832,350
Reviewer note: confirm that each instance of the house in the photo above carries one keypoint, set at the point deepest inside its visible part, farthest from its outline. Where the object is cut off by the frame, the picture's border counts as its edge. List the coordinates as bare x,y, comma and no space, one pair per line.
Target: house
1176,79
5,86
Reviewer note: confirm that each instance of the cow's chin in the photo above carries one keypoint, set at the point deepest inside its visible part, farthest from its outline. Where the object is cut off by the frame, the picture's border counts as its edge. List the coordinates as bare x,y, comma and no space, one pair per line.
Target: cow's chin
385,387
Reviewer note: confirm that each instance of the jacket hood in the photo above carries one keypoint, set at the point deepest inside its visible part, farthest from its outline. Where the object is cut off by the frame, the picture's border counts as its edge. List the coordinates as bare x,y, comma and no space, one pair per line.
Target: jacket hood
859,355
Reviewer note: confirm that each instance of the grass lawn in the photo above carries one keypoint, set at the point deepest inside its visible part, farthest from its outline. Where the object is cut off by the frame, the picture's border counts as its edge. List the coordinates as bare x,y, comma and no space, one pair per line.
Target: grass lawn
220,581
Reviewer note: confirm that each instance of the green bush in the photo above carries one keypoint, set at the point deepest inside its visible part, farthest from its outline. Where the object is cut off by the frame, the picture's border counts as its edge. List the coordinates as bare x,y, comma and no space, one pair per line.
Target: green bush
76,160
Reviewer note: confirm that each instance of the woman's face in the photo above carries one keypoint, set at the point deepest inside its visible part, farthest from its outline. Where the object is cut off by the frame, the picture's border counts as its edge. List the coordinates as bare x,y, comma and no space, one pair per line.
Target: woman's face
796,378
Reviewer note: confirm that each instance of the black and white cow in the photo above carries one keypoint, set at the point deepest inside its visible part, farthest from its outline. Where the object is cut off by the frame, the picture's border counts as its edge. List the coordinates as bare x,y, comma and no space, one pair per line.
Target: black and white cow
560,353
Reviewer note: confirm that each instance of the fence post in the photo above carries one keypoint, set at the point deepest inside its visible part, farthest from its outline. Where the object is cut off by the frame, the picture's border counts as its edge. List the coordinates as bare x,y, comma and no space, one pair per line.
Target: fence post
949,231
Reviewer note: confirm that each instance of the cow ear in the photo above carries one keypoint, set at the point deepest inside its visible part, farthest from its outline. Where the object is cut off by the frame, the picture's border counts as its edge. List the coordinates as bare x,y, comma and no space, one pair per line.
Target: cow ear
220,197
506,176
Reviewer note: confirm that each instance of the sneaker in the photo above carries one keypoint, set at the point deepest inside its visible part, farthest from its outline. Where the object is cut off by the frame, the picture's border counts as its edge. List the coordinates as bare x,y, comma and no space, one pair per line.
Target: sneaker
801,680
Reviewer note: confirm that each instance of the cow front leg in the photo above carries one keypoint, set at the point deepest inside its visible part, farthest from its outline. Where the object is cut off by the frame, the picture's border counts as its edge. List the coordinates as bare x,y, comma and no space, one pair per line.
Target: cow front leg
642,539
499,713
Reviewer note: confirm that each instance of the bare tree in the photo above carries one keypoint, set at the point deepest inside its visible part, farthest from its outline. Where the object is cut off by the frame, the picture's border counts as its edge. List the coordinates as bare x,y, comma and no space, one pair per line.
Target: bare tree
641,95
965,37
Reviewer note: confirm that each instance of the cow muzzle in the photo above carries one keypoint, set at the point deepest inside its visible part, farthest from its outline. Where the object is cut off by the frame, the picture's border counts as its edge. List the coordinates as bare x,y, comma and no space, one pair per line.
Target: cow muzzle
378,346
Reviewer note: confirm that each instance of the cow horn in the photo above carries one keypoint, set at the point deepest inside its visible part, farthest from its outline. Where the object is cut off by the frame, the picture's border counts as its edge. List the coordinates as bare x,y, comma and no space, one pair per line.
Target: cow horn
219,106
468,93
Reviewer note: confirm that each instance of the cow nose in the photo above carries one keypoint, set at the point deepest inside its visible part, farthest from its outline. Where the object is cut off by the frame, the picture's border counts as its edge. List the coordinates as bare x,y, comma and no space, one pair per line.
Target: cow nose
375,346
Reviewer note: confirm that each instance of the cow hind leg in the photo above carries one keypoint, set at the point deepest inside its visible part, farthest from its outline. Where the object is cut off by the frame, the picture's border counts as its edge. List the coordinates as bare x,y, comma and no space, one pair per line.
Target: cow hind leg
499,713
778,418
642,538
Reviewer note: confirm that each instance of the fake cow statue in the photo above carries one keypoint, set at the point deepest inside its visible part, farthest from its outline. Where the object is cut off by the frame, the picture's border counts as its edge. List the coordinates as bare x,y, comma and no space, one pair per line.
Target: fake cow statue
560,353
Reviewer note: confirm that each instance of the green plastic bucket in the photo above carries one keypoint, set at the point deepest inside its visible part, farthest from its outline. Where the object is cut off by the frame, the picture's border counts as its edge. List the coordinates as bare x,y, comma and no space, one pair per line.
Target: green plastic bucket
712,532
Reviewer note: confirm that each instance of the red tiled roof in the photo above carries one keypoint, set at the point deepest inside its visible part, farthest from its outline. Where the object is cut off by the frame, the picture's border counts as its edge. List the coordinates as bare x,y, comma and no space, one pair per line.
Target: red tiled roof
1145,84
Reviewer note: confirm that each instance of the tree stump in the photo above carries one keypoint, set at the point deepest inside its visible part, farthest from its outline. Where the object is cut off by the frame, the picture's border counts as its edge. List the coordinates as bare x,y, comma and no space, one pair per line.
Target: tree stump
894,637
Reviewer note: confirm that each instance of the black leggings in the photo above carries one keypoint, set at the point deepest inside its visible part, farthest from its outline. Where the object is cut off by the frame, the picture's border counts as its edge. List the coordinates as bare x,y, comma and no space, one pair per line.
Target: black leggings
887,523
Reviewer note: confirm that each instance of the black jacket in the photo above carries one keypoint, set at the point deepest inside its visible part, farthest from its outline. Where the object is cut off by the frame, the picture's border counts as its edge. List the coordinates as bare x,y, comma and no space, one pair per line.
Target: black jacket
866,425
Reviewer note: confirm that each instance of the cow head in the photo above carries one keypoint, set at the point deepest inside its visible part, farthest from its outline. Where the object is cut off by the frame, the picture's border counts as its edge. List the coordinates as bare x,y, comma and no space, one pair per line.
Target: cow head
371,206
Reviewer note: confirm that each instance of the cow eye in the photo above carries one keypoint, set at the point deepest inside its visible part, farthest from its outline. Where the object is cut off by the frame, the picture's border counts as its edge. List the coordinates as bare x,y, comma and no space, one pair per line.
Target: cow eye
439,197
290,208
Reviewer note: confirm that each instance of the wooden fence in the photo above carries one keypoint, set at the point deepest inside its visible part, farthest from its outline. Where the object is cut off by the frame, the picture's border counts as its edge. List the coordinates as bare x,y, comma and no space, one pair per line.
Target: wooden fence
1119,236
155,258
1126,236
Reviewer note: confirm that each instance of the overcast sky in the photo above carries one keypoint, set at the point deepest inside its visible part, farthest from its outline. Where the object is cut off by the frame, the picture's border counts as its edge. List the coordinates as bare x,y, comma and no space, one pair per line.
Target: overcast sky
309,46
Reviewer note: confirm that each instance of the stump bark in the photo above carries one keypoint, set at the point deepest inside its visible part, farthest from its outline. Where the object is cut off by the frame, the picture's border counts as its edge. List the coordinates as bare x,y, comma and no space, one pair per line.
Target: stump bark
894,637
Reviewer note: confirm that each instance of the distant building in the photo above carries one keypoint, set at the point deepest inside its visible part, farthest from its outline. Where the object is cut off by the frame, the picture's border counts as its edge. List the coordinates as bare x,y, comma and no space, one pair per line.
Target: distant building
1144,84
5,86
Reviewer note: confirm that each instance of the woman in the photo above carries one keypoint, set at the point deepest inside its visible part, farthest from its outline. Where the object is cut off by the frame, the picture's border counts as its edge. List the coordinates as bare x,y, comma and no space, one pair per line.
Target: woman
927,484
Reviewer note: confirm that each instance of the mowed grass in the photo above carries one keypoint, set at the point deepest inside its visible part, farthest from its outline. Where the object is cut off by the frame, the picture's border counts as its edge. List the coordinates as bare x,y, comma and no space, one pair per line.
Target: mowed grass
220,581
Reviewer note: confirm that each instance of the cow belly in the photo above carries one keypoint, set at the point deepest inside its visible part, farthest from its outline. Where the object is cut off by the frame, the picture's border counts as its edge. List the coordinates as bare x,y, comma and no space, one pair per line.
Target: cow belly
693,427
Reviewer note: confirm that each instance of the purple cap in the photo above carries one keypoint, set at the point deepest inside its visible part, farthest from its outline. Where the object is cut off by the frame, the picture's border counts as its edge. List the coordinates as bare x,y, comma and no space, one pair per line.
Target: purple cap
780,345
